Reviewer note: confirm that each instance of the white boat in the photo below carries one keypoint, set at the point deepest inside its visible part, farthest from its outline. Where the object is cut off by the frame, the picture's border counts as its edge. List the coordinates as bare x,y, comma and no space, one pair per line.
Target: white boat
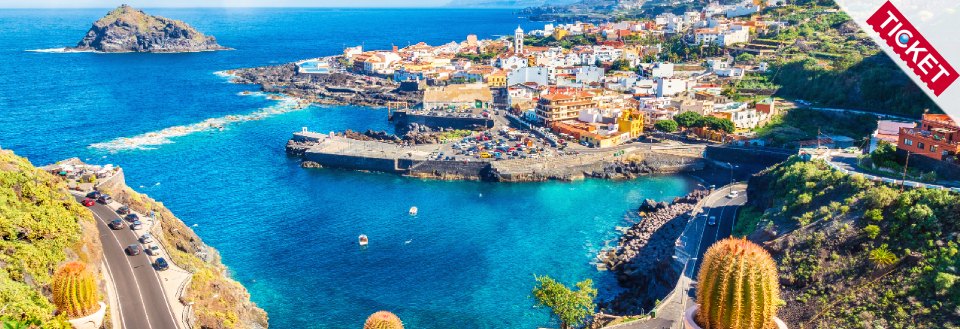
413,211
362,239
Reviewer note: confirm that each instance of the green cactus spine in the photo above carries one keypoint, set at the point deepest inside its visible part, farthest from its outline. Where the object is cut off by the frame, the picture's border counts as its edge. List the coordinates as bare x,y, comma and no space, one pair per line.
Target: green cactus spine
383,320
75,290
737,287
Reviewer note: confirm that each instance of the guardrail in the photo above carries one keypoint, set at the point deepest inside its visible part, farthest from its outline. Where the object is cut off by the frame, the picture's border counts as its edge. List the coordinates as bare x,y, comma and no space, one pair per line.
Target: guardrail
907,183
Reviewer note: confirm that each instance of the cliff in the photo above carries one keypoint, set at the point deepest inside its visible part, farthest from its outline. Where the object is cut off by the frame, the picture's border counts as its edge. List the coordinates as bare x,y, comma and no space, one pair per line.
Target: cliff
41,227
854,253
126,29
218,301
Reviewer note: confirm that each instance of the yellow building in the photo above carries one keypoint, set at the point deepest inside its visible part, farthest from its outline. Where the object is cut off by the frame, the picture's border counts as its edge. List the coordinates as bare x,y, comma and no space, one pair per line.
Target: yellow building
559,34
497,79
631,122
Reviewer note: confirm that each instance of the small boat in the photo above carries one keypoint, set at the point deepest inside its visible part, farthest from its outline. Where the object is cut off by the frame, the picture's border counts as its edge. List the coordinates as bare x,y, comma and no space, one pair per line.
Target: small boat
362,239
413,211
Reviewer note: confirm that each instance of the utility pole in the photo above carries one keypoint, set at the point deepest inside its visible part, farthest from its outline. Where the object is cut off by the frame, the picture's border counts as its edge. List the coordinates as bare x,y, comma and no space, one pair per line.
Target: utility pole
905,165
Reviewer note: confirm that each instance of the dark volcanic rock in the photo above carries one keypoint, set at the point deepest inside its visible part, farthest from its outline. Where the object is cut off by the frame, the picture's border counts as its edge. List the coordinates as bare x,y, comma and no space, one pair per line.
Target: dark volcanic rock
126,29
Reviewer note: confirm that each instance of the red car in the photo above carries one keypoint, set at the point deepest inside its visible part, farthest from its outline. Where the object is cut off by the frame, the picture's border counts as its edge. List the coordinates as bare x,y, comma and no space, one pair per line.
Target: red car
88,202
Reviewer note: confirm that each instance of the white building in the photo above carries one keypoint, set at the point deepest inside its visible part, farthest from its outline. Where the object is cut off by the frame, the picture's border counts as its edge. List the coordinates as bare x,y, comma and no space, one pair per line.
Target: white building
536,74
670,87
662,70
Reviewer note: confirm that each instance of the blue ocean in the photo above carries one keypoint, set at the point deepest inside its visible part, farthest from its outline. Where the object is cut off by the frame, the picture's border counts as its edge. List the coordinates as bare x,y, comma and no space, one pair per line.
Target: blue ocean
467,260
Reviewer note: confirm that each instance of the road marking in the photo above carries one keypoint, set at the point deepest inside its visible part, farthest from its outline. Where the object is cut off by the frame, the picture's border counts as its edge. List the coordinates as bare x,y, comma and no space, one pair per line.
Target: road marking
126,258
163,292
123,324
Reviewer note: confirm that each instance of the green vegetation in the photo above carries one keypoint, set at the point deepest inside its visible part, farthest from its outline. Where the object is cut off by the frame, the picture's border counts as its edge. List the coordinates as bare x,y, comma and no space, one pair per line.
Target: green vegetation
693,119
855,253
802,124
383,320
567,42
688,119
75,290
571,307
830,61
41,226
747,220
456,134
737,287
668,126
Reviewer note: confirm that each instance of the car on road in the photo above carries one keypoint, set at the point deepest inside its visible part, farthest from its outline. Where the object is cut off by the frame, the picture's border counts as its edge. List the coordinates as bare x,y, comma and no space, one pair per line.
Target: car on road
152,250
124,210
94,195
161,264
134,249
131,217
733,194
88,202
712,220
136,225
116,224
104,199
146,238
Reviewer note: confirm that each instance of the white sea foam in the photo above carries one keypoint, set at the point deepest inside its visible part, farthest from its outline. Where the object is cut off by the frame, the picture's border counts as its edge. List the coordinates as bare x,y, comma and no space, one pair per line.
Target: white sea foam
57,50
151,140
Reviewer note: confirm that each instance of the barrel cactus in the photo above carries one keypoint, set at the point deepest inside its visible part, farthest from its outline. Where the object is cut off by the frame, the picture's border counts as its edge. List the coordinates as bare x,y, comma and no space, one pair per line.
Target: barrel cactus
737,287
383,320
75,290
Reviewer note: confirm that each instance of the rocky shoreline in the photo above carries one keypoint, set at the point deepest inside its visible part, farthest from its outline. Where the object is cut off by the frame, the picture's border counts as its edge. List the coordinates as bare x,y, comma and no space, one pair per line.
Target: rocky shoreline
336,88
642,261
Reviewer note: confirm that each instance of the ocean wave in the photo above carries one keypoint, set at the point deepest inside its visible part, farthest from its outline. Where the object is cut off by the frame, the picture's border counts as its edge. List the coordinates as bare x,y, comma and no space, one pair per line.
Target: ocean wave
60,50
150,140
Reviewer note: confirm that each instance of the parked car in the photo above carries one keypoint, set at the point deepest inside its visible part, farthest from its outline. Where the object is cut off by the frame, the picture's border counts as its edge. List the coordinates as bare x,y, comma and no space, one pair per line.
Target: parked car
152,250
116,224
104,199
712,221
131,217
88,202
146,238
134,249
161,264
94,195
123,210
136,225
733,194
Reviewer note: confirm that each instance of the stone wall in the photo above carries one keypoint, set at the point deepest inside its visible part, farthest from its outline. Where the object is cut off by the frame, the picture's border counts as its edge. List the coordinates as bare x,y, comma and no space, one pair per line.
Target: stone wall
352,162
403,119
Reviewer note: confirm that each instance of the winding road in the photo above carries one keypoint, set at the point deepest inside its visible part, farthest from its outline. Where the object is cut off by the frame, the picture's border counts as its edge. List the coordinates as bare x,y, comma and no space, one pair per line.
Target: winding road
142,302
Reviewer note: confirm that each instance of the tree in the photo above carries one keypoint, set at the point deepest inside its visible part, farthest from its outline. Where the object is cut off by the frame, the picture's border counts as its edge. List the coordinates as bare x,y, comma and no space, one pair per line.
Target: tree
745,57
716,123
571,307
688,119
884,155
667,126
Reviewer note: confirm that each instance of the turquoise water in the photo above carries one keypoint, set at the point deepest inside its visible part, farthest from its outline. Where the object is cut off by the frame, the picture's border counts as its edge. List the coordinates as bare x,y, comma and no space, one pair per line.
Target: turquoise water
288,234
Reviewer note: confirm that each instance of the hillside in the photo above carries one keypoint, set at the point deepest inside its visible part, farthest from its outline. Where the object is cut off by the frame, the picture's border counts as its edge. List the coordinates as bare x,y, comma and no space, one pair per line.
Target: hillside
126,29
853,253
41,227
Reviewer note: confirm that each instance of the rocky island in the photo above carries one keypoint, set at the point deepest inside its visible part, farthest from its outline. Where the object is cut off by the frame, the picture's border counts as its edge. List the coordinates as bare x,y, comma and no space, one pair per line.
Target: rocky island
126,29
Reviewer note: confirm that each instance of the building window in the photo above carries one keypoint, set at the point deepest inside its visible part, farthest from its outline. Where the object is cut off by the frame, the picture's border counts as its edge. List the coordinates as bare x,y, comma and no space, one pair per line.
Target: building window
907,141
920,146
933,148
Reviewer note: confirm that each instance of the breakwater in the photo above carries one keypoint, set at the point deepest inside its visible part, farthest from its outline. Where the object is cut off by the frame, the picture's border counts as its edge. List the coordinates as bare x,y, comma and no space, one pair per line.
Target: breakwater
642,259
404,118
320,150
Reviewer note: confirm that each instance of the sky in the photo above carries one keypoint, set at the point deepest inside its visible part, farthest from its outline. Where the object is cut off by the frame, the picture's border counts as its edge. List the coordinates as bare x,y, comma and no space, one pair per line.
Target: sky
217,3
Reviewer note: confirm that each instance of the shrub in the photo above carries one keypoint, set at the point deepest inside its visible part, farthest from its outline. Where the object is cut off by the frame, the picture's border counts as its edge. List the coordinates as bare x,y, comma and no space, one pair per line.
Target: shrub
738,286
882,257
872,231
383,320
75,290
875,215
571,307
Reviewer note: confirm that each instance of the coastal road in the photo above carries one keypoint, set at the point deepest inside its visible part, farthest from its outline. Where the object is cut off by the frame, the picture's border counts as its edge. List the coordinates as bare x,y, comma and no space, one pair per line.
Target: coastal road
142,301
725,209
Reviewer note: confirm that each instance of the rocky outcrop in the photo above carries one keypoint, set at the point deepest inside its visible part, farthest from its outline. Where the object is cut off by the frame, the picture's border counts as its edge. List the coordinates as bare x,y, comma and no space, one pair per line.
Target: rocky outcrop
337,88
642,259
127,29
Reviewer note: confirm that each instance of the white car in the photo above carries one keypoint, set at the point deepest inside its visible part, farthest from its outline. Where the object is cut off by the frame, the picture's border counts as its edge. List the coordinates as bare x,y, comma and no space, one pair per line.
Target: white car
733,194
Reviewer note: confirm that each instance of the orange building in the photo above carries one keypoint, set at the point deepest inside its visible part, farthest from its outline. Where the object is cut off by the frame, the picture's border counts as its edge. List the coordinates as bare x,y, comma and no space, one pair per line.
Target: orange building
937,137
563,104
